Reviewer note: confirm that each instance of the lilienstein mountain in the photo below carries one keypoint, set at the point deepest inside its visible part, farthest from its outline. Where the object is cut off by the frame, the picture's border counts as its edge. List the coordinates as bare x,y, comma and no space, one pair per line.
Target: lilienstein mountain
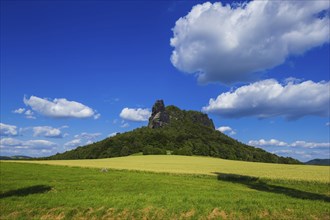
177,131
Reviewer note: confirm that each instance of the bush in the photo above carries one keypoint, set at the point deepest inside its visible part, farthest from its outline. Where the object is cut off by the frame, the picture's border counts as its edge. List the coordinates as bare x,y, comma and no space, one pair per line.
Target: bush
153,151
183,151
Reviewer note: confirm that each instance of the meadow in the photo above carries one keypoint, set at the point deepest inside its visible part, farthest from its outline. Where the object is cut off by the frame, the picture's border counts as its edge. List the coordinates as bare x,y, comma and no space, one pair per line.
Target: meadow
42,191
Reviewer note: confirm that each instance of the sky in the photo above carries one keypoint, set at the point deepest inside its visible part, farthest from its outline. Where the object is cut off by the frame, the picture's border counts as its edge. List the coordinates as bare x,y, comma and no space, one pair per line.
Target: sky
76,72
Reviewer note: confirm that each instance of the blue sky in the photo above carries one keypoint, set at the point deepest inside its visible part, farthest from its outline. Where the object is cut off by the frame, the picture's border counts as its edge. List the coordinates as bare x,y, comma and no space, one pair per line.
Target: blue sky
74,72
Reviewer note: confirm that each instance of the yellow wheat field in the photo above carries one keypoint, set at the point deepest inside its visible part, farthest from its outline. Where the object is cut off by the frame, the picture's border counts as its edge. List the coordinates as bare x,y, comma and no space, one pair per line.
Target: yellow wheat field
201,165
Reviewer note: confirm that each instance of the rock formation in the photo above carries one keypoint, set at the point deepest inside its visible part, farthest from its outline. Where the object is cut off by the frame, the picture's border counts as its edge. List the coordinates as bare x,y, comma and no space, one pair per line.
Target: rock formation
159,117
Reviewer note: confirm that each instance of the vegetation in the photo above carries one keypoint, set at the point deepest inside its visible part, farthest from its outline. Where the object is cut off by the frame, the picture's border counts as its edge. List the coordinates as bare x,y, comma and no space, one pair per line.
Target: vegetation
188,133
17,157
57,192
322,162
202,165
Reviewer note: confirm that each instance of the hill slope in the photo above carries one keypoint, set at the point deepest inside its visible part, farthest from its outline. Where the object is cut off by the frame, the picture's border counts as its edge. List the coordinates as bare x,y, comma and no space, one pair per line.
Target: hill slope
179,131
16,157
322,162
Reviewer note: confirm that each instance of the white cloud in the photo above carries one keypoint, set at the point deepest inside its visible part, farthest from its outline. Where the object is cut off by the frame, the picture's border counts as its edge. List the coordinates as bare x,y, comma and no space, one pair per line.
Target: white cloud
30,144
47,131
10,142
72,144
296,154
296,144
265,143
89,142
113,134
269,98
36,148
311,145
223,43
29,114
8,130
87,136
226,129
60,108
82,139
124,125
132,114
19,111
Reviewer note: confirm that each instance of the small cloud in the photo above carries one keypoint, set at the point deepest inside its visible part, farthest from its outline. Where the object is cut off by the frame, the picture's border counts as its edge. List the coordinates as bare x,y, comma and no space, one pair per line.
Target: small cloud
8,130
292,80
113,134
29,114
19,111
82,139
60,108
87,136
327,124
226,129
72,144
124,125
137,115
89,142
265,143
47,131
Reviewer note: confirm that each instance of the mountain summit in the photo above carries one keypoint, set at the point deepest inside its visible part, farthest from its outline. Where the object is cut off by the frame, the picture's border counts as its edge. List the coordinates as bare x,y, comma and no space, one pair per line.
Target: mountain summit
177,131
159,117
162,116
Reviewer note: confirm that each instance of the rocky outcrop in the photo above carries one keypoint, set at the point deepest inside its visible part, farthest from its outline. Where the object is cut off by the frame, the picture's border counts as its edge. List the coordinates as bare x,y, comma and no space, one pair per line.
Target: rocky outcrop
159,117
162,116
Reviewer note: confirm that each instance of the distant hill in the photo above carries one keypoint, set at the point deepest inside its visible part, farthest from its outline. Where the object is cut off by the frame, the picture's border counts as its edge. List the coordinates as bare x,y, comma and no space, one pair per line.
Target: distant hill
177,131
17,157
322,162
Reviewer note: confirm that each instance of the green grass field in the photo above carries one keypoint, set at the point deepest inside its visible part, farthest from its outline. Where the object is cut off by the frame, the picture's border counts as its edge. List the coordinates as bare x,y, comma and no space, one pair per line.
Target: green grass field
39,191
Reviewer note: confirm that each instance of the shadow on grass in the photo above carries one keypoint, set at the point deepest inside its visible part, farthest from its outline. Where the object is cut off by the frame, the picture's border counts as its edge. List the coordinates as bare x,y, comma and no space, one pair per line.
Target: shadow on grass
257,184
26,191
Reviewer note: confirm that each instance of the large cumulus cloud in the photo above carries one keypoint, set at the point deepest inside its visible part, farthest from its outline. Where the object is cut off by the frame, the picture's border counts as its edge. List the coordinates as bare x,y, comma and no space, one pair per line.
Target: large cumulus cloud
223,43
